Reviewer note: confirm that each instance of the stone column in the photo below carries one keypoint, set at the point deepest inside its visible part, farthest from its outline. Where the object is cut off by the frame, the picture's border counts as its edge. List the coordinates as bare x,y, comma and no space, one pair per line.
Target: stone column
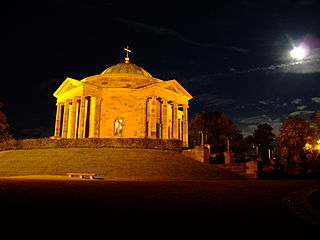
91,113
153,117
147,118
95,119
76,127
185,126
159,110
81,117
72,118
65,119
165,119
175,121
87,117
58,120
170,119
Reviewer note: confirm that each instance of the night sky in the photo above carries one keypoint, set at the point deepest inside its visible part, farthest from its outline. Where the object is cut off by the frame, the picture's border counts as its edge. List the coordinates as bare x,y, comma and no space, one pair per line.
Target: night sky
232,56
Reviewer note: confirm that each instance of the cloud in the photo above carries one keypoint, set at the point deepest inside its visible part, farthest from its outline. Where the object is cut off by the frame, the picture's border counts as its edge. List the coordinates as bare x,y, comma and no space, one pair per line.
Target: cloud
263,102
296,101
273,103
278,105
248,130
305,67
212,100
267,102
316,99
255,119
220,101
303,112
250,124
158,30
239,49
302,107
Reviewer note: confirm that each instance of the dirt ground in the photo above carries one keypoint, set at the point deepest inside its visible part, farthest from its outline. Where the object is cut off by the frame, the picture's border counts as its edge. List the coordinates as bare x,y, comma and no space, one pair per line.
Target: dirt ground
248,209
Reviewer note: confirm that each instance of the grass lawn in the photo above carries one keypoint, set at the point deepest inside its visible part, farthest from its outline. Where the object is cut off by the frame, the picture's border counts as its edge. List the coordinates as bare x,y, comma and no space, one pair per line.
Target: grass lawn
109,163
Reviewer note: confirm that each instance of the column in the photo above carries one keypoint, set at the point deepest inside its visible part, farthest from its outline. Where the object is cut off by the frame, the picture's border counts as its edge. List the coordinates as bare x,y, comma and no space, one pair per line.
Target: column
185,126
81,117
170,119
72,118
92,116
159,118
147,117
65,119
58,120
87,111
76,127
175,121
95,117
165,119
153,118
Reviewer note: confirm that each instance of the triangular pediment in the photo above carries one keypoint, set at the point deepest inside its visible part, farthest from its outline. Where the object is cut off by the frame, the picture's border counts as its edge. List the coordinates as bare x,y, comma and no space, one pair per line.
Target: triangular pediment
68,85
175,87
171,87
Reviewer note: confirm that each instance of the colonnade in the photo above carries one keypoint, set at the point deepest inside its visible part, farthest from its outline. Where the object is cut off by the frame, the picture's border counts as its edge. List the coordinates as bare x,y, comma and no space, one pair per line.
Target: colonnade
166,119
78,117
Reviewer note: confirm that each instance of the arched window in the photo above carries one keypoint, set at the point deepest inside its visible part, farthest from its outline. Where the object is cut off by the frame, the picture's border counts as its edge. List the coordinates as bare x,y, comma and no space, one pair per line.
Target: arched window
118,126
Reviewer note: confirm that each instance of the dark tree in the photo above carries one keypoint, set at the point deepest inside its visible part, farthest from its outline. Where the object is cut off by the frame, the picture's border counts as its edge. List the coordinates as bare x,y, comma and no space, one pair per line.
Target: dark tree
247,144
295,133
312,147
263,138
242,145
213,128
4,134
315,123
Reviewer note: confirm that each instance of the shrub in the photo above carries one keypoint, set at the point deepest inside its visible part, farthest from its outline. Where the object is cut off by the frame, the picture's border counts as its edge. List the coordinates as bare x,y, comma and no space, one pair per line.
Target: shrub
42,143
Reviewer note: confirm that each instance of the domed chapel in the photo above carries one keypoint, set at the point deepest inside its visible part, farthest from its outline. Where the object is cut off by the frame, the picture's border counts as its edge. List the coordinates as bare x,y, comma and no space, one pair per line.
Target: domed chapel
124,101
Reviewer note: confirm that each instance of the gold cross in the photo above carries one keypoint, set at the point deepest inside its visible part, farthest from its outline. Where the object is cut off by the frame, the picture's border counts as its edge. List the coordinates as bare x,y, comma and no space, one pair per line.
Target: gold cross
127,54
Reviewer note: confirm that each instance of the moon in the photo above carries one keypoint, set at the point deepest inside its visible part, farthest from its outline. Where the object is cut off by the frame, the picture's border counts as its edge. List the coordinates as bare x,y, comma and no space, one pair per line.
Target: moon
298,53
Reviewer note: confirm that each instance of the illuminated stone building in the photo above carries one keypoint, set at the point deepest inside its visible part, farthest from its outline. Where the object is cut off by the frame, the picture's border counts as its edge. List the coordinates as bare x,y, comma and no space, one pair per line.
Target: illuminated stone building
123,101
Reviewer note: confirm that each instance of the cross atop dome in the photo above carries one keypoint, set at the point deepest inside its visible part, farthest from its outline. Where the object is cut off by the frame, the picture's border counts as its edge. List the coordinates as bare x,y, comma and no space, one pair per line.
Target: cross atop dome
127,54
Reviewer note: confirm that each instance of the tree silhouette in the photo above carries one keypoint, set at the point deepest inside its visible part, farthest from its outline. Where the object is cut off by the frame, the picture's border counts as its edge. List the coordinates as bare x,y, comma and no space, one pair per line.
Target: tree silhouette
263,137
213,128
315,123
294,134
4,134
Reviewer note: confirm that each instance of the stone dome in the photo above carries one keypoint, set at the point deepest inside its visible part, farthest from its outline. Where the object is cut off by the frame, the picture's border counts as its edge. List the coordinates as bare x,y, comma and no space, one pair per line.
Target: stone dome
126,67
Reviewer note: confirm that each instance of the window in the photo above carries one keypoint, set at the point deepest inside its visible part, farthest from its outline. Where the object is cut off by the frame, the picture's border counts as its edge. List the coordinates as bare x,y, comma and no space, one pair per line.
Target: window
118,126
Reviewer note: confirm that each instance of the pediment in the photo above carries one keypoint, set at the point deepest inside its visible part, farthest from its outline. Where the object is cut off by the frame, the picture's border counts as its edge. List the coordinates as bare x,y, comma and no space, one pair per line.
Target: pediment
170,87
176,88
67,86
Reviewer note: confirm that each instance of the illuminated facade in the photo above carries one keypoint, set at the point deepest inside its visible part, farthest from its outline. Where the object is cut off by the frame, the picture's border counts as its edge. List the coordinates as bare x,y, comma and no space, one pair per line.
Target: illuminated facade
123,101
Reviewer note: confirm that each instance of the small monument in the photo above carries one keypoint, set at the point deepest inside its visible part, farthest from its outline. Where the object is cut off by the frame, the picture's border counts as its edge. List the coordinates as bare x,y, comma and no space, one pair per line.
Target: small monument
124,101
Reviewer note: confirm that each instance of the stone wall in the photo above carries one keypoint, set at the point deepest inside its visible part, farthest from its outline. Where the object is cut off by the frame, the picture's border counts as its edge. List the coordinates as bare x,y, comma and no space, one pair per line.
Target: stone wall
228,157
201,154
247,169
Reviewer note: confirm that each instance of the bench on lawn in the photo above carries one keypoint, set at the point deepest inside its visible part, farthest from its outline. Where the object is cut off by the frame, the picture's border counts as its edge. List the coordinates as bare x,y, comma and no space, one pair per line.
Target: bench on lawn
82,175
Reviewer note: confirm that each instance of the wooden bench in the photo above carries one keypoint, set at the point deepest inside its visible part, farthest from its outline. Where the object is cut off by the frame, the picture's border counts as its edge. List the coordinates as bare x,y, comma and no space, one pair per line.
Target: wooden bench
82,175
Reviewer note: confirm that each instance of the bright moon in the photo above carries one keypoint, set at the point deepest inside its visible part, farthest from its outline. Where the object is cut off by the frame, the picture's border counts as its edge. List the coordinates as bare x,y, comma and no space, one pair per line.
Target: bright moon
298,53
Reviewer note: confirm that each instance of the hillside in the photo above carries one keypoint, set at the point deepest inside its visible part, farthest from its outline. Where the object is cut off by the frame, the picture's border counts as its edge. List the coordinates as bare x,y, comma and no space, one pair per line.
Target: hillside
109,163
